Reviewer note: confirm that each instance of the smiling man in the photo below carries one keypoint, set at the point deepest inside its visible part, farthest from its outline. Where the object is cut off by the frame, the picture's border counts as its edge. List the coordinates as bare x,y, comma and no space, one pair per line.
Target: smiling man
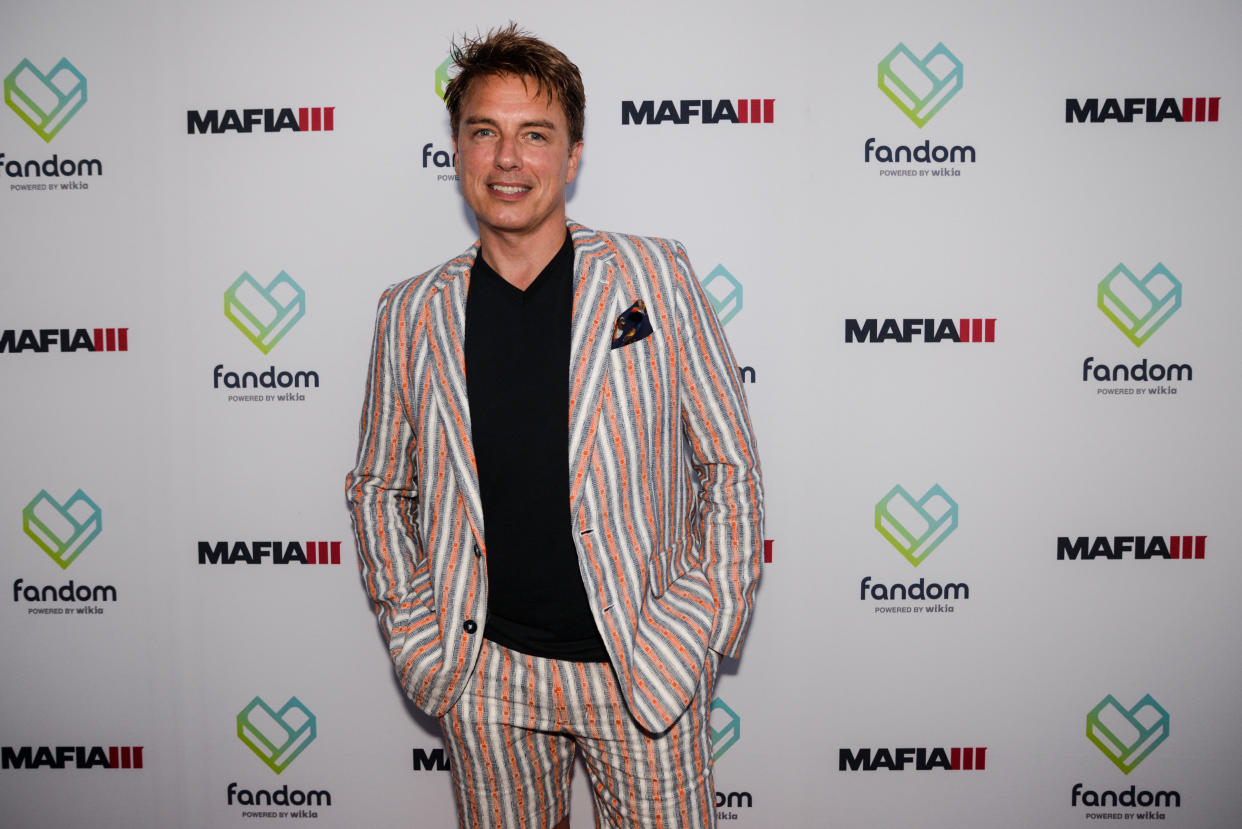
557,500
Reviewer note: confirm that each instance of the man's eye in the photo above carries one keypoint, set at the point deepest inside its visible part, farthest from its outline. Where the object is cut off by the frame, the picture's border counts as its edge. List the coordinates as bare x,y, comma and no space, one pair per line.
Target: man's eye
536,136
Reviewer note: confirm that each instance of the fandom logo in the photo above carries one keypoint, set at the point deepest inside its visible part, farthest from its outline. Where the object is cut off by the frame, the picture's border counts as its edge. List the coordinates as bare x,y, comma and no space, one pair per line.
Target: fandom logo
71,757
1139,306
300,119
1127,737
45,102
920,87
1148,110
63,531
725,727
265,314
703,110
917,759
725,293
276,737
916,528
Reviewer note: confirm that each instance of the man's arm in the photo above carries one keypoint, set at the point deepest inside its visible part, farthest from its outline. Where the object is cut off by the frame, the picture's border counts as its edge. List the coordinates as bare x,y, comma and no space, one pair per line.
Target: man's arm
728,518
382,491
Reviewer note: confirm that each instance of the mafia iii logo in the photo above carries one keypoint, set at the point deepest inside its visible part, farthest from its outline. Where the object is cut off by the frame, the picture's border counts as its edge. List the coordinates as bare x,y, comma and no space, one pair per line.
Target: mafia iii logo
1084,548
278,552
43,340
700,111
71,757
1147,110
300,119
917,759
926,329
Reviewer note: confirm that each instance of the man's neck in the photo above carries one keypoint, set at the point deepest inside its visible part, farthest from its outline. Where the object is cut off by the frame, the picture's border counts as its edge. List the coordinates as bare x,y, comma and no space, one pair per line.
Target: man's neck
519,259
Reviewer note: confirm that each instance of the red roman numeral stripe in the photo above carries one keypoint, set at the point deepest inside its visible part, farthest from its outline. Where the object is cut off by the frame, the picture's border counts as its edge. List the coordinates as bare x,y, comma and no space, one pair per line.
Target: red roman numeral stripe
1188,546
323,552
968,759
767,551
111,339
977,330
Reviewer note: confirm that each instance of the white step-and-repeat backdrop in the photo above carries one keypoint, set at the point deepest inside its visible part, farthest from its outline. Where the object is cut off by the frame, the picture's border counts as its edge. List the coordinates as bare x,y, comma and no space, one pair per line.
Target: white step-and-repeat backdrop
975,261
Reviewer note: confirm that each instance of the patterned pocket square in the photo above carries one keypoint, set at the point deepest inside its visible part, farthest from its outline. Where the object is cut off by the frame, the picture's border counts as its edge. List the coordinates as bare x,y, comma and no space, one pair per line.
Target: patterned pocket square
631,326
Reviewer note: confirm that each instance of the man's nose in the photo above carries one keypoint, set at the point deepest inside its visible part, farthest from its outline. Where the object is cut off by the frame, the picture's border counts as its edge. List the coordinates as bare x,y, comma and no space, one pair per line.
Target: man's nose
508,156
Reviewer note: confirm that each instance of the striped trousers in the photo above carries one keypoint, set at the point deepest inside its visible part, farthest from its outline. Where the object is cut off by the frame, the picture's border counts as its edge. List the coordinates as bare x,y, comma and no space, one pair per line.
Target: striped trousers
513,735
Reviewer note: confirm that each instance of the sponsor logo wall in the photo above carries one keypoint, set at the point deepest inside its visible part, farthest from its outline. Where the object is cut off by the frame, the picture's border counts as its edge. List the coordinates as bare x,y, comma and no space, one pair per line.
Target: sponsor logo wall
1004,594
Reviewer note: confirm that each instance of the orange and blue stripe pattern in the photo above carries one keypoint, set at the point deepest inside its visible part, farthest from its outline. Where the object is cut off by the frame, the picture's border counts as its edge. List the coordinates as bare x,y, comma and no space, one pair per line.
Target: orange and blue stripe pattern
665,487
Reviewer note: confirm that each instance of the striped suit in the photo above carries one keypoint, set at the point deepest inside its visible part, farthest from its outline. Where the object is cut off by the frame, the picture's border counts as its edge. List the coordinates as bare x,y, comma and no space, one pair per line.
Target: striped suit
665,492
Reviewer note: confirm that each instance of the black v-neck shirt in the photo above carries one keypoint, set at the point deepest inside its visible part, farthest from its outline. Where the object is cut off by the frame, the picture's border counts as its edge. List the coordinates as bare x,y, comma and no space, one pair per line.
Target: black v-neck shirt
517,380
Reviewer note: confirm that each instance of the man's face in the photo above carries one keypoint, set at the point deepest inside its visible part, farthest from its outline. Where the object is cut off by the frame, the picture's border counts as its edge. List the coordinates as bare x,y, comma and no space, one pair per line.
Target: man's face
514,157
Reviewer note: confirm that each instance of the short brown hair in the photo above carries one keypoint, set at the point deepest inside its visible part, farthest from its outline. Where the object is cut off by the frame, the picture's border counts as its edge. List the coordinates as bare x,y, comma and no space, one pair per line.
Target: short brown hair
511,51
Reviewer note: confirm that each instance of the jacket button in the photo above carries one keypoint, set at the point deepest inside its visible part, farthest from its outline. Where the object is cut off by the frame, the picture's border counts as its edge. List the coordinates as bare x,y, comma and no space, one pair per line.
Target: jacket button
477,551
470,626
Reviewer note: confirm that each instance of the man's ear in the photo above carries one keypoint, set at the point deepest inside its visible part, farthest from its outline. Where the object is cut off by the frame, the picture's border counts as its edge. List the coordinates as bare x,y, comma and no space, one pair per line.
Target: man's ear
575,152
456,166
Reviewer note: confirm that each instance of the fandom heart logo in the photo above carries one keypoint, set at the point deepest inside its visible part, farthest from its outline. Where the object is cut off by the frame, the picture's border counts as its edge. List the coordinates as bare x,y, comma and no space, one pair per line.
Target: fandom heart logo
725,727
916,528
265,314
724,292
1139,306
277,737
45,102
62,531
920,88
1127,737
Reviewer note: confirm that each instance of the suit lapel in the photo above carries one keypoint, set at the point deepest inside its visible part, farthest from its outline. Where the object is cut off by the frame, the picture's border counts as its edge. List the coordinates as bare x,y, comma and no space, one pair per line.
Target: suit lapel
590,343
448,339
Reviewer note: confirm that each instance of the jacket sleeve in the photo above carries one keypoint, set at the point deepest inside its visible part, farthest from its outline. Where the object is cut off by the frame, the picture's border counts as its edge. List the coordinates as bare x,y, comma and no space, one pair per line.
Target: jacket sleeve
727,515
382,493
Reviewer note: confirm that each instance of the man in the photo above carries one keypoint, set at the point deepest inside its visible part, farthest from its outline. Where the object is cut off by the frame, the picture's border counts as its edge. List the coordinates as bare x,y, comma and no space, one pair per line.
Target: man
557,501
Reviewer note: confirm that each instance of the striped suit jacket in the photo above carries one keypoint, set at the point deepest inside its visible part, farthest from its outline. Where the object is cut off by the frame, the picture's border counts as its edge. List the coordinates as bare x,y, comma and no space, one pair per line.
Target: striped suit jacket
665,490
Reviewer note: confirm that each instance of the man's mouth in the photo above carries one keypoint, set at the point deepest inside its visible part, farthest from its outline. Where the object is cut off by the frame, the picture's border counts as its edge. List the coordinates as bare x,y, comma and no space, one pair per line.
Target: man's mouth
509,189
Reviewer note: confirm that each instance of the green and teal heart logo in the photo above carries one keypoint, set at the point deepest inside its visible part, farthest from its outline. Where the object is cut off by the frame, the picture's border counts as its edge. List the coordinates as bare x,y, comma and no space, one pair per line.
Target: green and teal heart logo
916,528
277,737
725,727
1139,306
265,313
62,531
45,102
920,87
1127,736
725,293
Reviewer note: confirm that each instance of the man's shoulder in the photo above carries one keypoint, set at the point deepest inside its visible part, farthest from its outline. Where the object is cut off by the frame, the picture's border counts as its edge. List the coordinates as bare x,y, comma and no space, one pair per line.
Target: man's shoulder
652,257
624,242
419,287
